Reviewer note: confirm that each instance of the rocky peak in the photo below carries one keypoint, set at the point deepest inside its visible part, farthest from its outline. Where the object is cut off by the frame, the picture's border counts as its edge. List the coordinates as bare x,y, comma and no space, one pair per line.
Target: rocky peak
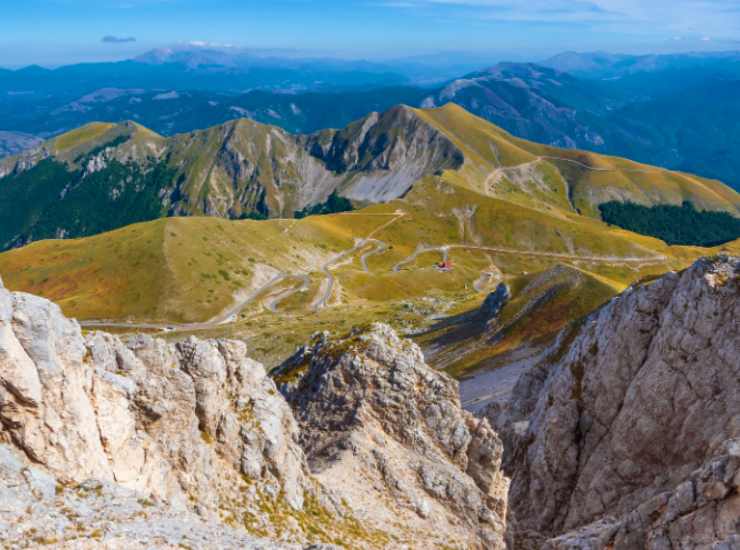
628,437
376,420
385,142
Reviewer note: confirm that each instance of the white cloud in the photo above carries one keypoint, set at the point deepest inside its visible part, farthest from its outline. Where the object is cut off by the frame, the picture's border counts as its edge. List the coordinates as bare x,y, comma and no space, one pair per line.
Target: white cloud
111,39
207,44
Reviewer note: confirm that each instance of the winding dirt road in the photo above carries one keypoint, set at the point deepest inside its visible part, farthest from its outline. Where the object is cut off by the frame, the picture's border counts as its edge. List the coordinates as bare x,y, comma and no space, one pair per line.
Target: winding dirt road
327,286
272,301
302,284
379,248
598,169
422,249
445,249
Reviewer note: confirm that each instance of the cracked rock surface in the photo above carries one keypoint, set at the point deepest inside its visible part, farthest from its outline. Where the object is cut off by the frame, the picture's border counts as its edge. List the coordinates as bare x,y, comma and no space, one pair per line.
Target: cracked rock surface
632,438
195,428
387,432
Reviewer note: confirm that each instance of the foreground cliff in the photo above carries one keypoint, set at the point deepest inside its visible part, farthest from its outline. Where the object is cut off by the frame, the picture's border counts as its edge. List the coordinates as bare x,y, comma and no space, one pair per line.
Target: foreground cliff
628,436
156,439
140,443
380,426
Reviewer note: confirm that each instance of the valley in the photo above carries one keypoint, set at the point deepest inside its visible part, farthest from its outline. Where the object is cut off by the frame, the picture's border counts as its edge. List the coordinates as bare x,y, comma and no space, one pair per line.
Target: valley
479,209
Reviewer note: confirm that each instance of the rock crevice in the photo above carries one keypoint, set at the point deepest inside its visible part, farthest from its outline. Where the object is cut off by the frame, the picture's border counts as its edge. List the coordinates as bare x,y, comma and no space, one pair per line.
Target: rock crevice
642,404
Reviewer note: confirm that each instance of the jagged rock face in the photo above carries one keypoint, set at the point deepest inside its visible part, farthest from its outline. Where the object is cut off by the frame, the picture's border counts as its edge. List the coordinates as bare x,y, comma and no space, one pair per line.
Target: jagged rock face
386,152
634,438
387,434
242,168
196,425
121,444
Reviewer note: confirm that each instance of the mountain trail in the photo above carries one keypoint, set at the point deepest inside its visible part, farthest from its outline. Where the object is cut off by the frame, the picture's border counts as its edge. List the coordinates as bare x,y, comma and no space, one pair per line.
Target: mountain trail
301,285
327,286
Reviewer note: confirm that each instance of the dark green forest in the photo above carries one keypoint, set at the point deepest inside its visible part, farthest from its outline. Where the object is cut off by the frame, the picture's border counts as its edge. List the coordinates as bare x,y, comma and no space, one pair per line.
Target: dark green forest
31,207
683,224
333,204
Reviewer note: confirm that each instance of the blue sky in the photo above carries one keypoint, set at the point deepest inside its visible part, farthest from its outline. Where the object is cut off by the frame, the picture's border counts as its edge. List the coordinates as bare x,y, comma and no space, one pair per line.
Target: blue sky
53,32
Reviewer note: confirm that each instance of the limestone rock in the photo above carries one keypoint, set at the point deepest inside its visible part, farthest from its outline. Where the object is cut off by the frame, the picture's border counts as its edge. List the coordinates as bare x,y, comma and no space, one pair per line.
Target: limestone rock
387,434
38,510
140,443
197,425
630,439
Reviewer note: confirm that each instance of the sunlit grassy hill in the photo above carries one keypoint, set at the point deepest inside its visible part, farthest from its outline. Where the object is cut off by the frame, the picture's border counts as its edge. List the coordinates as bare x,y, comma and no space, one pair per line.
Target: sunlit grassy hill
104,176
291,277
554,175
493,210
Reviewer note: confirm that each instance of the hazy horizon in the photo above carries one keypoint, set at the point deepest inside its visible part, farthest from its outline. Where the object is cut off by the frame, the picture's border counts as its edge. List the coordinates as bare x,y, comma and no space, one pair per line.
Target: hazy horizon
62,32
431,57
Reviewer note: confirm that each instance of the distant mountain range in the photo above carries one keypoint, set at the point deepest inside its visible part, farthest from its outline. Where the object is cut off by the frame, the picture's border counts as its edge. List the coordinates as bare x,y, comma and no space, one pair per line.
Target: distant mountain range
676,111
604,65
228,70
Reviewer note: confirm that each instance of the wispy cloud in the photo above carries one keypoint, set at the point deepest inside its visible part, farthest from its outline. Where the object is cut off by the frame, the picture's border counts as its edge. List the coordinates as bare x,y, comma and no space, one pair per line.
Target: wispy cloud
668,15
110,39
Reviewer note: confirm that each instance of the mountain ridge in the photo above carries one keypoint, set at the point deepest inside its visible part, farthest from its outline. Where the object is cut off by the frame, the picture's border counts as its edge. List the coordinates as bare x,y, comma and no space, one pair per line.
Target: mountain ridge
480,208
645,114
243,168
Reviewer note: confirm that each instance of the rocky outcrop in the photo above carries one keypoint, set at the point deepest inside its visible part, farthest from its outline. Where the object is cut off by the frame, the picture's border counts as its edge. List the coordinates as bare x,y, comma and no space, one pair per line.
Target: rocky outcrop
135,443
383,155
196,426
628,437
387,433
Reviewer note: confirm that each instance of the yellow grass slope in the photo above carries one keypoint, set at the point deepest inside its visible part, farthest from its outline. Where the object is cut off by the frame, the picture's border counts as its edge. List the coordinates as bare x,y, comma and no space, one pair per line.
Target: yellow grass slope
591,178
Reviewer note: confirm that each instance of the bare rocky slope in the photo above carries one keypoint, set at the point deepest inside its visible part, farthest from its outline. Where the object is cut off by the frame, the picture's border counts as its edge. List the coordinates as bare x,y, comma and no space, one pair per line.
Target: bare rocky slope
628,436
140,443
377,424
